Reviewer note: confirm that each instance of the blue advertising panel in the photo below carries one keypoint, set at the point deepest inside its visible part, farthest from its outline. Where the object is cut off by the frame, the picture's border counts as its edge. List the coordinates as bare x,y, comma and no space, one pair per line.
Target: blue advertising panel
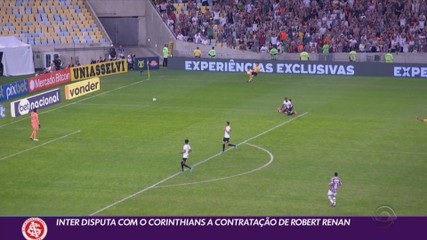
13,90
42,100
301,67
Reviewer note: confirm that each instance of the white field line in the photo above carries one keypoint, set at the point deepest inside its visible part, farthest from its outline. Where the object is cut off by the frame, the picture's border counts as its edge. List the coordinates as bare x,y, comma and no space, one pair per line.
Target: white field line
274,128
176,174
232,176
70,104
40,145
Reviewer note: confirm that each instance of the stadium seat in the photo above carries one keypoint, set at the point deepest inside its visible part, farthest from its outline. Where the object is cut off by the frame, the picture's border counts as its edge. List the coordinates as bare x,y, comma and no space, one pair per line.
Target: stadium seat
58,21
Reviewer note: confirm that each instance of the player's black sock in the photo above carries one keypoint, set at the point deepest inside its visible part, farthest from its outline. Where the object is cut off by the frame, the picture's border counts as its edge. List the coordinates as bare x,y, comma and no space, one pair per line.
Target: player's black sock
231,145
223,147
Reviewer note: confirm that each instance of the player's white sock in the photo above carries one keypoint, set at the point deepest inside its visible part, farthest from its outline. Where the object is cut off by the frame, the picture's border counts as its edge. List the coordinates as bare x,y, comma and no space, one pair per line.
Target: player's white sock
335,200
331,199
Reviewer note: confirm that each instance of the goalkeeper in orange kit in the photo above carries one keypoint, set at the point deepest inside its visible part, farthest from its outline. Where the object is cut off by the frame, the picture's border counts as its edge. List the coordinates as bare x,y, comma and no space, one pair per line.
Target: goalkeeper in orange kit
35,124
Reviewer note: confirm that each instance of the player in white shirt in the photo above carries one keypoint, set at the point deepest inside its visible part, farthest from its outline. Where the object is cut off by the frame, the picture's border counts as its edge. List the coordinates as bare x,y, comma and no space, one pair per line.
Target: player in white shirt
282,108
334,185
226,139
186,150
287,107
290,107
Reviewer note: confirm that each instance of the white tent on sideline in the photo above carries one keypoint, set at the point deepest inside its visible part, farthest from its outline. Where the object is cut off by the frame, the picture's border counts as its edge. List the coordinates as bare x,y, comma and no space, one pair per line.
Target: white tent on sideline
17,56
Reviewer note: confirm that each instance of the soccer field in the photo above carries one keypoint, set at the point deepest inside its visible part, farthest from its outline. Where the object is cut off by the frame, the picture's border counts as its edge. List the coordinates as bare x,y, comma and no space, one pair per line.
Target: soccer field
116,151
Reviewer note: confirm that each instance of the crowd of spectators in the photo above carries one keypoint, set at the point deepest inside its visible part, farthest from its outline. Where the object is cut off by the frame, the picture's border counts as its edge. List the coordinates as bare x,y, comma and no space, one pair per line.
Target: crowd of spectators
300,25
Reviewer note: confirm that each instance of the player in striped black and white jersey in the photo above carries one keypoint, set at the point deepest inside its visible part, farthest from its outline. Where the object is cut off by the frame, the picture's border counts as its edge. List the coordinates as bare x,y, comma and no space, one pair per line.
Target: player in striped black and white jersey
334,185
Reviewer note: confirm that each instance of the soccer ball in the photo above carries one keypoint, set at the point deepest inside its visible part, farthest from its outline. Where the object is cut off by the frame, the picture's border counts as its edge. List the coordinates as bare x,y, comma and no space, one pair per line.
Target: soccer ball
154,99
249,71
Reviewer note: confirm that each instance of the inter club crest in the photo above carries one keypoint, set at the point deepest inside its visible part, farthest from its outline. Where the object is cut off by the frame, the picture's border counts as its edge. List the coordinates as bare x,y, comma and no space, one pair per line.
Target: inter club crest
34,229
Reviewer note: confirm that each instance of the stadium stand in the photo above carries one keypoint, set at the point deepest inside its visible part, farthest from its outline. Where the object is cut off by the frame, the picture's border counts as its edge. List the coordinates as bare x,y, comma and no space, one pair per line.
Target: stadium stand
297,25
43,22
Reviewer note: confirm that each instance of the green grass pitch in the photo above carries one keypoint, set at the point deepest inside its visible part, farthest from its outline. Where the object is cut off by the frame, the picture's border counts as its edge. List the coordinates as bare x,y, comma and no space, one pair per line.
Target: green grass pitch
115,151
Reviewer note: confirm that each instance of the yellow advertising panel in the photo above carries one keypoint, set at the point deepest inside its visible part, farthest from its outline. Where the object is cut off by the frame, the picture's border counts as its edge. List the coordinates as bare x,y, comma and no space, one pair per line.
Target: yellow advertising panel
98,69
81,88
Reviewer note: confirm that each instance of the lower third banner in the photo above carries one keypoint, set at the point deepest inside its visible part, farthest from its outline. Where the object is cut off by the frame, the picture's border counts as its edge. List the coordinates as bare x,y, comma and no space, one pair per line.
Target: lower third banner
189,228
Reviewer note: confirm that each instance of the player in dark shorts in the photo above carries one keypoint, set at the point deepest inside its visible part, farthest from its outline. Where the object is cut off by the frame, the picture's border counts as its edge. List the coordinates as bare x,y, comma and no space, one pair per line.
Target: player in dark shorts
226,139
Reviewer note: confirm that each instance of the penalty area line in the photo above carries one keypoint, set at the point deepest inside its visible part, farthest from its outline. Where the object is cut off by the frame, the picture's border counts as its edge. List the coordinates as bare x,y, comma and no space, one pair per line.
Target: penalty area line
199,163
41,145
